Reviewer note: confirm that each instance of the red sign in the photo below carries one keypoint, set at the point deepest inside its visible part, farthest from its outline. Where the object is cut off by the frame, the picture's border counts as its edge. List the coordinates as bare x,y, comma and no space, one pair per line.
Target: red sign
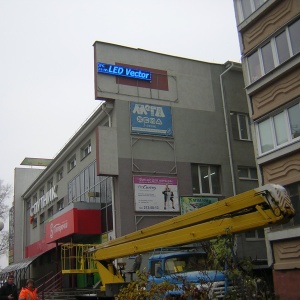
37,248
73,222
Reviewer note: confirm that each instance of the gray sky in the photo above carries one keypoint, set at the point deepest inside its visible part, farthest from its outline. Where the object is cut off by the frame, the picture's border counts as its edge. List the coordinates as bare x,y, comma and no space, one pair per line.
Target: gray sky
46,60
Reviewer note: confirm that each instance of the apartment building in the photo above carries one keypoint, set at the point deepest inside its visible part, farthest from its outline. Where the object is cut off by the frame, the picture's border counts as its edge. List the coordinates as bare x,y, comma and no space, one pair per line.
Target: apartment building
269,36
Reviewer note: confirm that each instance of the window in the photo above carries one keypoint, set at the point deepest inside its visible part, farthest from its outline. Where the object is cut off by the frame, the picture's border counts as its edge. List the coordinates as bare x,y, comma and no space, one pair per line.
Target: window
205,179
34,222
248,7
255,234
240,124
72,163
42,218
294,32
274,52
86,150
282,47
88,183
294,113
294,193
267,58
50,212
279,130
247,173
28,204
49,184
60,174
42,192
254,67
60,204
265,136
34,199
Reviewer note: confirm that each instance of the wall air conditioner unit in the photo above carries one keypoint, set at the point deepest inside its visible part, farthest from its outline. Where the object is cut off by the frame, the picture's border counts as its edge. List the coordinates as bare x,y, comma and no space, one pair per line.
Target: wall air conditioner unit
93,195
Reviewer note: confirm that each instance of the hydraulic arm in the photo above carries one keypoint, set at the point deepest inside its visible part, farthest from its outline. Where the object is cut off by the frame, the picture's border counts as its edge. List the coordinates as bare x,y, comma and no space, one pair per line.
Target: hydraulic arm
257,208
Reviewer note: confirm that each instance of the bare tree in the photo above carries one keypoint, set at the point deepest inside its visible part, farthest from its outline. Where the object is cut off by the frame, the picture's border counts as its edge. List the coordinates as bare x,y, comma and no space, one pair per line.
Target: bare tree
5,192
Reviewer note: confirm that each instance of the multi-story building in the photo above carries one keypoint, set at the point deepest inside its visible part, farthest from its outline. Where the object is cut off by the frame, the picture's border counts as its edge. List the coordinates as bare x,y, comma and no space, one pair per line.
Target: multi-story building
269,35
165,120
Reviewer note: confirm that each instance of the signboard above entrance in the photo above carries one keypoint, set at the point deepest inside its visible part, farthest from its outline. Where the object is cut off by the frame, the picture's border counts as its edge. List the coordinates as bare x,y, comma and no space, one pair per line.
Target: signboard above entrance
123,71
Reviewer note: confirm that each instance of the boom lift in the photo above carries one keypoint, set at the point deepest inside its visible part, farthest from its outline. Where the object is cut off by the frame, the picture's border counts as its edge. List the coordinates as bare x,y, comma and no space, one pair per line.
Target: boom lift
257,208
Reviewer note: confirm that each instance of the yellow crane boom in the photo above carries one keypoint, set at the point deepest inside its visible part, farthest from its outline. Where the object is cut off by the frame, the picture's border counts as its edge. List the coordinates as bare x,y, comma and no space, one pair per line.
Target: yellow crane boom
253,209
257,208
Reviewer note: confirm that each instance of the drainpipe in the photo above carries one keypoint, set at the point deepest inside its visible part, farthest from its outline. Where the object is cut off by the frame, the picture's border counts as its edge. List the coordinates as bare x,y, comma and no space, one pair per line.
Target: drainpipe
232,65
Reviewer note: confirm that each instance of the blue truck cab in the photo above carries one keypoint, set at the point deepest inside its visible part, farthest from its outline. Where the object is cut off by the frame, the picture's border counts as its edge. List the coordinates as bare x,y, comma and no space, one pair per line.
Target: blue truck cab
189,267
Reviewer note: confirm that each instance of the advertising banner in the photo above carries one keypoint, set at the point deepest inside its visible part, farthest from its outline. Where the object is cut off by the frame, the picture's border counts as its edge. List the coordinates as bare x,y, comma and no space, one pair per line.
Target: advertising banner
74,221
155,193
151,119
188,203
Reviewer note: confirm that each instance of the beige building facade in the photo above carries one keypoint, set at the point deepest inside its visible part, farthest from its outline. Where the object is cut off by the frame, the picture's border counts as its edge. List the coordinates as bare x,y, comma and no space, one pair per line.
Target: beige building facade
269,35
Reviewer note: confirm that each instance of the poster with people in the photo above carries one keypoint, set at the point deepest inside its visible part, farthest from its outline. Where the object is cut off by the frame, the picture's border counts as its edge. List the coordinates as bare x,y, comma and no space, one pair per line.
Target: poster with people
155,193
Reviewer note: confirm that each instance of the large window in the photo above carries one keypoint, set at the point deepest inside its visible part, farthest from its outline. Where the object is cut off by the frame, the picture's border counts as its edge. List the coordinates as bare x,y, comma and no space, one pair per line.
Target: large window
279,130
88,187
274,51
206,179
240,124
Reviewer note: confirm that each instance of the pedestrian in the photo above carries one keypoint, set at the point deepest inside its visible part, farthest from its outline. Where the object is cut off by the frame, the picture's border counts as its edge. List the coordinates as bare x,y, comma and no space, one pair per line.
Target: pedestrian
9,291
29,292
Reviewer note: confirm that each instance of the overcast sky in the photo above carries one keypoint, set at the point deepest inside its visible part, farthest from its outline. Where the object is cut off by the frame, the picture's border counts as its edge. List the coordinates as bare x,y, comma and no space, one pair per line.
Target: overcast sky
46,60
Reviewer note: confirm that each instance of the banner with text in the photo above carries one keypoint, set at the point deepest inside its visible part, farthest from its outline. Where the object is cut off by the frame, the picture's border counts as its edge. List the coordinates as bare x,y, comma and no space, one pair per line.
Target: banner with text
155,193
151,119
190,203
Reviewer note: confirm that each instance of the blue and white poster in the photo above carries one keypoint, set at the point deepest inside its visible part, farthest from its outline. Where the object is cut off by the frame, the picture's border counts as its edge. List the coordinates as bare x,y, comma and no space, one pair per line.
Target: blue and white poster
151,119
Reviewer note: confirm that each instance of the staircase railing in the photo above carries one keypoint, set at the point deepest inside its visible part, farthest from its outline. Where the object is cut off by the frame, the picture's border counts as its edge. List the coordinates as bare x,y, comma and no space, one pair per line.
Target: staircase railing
51,285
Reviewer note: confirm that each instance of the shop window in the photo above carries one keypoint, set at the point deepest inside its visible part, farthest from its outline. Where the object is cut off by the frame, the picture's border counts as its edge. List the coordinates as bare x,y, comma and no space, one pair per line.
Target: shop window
206,179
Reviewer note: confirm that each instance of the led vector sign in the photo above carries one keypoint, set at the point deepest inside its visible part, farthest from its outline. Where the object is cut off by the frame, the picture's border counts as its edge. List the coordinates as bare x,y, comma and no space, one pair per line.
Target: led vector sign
124,71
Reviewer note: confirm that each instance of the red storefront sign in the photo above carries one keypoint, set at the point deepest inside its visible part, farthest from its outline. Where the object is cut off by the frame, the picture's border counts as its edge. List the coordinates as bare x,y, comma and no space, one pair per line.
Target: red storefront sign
74,221
37,248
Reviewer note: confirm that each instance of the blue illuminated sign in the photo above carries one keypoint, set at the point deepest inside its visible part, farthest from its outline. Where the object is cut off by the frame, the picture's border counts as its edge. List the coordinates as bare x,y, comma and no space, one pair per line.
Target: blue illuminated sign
124,71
